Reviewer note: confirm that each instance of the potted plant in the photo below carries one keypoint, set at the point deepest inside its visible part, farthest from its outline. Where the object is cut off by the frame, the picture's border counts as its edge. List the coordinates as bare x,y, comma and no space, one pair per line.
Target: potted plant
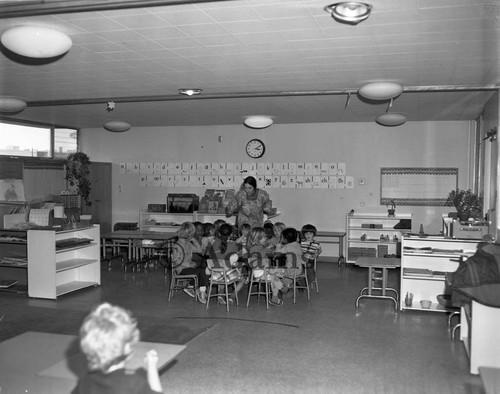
77,174
466,202
392,210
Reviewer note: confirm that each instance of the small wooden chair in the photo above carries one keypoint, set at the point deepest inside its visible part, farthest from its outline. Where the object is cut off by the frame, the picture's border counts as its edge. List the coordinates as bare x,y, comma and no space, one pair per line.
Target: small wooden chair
259,282
296,285
222,276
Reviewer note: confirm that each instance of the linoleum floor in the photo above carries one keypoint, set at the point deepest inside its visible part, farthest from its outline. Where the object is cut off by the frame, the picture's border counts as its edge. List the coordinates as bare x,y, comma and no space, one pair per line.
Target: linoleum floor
321,346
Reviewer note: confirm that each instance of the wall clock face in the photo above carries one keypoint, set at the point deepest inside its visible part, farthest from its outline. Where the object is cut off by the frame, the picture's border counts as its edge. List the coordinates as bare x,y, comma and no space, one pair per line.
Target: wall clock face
255,148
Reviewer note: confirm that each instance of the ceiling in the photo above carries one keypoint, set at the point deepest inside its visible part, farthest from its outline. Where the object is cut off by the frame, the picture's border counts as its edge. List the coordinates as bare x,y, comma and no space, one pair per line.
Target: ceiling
284,58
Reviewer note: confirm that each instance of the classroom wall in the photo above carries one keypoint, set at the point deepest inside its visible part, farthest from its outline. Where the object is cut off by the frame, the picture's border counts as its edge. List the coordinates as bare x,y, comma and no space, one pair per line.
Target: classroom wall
364,147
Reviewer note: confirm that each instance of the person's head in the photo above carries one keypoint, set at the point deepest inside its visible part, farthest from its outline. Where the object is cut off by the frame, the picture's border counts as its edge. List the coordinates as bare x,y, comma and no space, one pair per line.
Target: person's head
269,227
217,224
289,235
186,230
245,229
278,228
107,336
308,232
226,230
249,185
257,236
208,230
198,229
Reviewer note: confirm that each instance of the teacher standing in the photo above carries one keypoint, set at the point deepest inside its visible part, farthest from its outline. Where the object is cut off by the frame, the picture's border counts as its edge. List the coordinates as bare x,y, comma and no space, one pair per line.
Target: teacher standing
250,204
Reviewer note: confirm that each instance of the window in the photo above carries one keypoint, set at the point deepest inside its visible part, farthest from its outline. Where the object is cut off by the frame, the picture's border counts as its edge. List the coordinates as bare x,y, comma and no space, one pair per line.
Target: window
37,141
65,142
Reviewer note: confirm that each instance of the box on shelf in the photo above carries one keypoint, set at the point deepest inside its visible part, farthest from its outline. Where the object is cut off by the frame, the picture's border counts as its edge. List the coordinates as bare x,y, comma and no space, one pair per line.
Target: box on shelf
182,203
355,252
157,208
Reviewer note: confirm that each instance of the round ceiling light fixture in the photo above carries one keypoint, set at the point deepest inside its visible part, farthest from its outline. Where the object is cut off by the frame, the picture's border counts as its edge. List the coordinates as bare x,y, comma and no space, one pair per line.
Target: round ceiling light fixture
381,90
391,119
190,92
351,12
10,104
258,121
117,126
36,41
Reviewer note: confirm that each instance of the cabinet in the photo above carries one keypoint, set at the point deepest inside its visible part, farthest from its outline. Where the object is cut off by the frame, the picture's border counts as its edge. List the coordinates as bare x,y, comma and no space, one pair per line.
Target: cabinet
424,264
14,260
63,260
373,235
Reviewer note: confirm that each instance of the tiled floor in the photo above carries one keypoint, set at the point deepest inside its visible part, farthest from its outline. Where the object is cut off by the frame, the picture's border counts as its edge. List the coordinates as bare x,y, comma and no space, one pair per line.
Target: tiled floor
321,346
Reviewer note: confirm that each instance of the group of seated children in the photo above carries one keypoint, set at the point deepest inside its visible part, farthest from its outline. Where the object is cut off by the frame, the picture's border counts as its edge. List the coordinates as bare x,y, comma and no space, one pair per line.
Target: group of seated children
249,249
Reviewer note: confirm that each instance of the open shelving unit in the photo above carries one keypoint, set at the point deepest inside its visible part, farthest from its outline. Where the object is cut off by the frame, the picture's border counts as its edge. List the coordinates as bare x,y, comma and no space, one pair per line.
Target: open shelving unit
13,260
425,261
373,235
63,260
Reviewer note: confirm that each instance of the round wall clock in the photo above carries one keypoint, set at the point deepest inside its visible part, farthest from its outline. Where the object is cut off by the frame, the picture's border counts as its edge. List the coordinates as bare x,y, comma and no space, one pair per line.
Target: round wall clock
255,148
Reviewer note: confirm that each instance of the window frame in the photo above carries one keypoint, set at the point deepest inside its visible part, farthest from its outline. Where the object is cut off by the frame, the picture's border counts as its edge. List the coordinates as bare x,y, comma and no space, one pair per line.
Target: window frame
51,128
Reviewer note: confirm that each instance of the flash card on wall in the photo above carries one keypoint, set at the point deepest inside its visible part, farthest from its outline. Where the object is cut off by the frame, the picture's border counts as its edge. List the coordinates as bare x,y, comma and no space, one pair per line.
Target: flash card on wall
341,167
349,182
332,182
122,168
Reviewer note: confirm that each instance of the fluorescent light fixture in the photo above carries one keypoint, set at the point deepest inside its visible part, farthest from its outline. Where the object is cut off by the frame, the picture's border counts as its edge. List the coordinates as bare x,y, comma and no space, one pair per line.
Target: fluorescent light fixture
258,121
350,12
11,104
36,41
381,90
391,119
190,92
117,126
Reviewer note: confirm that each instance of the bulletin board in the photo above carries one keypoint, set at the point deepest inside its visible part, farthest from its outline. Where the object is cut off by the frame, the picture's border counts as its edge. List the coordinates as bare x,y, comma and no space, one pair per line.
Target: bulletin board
417,185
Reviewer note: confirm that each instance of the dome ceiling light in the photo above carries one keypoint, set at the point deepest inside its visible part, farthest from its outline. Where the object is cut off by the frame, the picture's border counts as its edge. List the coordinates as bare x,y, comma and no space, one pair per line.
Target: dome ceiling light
391,119
350,12
117,126
381,90
37,42
190,92
10,104
258,121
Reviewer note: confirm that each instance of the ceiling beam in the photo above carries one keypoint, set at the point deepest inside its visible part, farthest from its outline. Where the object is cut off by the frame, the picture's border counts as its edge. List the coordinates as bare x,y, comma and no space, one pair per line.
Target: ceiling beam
178,97
16,9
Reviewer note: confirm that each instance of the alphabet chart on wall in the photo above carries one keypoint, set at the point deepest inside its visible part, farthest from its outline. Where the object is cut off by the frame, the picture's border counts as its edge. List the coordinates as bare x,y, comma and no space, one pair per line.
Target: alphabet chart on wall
307,175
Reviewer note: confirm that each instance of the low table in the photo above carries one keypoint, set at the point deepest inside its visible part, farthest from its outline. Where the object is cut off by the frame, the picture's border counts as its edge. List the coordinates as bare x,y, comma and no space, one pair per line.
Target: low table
43,363
377,265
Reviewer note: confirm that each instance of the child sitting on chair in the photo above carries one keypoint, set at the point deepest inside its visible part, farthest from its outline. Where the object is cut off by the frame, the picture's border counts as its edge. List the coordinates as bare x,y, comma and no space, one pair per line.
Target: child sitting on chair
293,253
186,259
244,233
225,252
258,261
311,249
107,337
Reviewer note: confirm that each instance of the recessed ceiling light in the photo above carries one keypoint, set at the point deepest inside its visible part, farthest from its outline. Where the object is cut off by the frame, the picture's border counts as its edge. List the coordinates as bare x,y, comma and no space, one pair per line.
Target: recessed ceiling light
351,12
36,41
190,92
258,121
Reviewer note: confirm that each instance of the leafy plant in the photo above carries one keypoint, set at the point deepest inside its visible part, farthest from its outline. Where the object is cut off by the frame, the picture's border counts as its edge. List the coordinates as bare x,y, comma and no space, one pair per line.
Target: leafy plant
466,202
77,173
